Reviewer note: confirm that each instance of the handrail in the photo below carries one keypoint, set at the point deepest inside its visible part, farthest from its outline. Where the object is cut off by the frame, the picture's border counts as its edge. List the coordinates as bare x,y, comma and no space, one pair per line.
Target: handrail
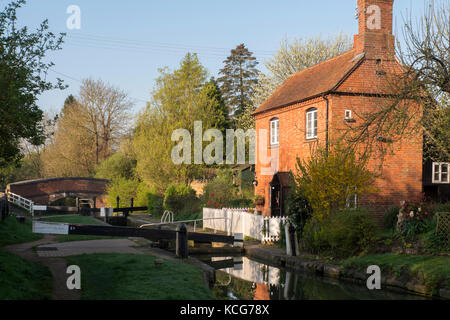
177,222
168,215
21,202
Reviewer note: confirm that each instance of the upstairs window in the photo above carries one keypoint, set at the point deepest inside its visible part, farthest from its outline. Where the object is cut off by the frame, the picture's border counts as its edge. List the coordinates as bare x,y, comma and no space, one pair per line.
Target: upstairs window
311,124
441,172
274,132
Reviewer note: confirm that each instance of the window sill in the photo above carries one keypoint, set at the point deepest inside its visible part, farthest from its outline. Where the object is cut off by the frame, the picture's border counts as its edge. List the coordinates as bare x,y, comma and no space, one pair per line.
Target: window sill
274,146
311,140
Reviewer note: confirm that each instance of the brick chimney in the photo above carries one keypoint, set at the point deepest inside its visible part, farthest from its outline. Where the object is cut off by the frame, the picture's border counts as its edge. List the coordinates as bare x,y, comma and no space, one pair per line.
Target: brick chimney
375,36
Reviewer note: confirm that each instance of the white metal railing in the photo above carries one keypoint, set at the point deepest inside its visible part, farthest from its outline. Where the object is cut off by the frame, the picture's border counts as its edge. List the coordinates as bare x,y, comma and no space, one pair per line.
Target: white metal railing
21,202
178,222
167,217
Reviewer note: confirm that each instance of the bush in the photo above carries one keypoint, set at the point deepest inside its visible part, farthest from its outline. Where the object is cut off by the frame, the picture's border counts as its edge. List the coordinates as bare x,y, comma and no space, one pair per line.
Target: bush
155,204
121,187
298,209
330,178
416,218
178,196
390,218
220,191
443,207
341,234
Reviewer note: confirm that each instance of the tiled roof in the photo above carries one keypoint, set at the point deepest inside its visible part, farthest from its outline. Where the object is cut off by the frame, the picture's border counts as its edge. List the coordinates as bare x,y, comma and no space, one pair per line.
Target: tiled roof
313,81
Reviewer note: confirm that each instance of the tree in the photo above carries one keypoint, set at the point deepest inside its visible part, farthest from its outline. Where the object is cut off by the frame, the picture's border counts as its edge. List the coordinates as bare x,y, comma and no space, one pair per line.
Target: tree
239,77
417,92
180,98
22,79
89,130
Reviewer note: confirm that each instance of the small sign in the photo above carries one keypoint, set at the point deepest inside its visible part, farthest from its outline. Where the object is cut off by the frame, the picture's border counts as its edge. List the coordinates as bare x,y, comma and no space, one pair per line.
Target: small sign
50,228
40,208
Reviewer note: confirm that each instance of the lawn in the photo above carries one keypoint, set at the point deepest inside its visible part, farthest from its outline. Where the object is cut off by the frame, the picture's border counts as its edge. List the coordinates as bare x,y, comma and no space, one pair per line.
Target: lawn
432,271
76,220
135,277
12,232
21,279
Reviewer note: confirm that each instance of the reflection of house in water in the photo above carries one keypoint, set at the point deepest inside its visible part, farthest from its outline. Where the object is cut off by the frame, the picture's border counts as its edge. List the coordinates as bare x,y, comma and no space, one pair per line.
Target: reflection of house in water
254,272
261,292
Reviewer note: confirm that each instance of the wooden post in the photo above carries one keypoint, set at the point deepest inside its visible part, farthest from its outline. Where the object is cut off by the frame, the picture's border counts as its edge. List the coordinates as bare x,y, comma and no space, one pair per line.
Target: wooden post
182,242
132,205
292,237
77,202
118,202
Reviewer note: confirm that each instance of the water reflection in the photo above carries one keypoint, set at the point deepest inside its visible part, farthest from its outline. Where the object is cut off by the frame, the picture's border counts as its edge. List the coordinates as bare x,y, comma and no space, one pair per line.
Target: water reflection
240,278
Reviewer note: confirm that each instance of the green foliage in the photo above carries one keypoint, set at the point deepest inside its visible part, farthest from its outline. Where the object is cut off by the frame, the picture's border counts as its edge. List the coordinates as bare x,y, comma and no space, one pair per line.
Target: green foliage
390,218
443,207
178,197
330,178
155,204
180,98
118,165
298,209
220,191
239,76
23,73
416,218
121,187
341,234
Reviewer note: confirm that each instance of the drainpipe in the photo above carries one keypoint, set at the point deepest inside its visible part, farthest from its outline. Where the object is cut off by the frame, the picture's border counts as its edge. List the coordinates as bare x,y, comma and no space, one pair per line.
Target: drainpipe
326,123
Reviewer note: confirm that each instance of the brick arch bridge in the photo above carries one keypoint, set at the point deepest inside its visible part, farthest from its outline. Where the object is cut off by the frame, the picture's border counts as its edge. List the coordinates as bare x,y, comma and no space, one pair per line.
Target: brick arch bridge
47,191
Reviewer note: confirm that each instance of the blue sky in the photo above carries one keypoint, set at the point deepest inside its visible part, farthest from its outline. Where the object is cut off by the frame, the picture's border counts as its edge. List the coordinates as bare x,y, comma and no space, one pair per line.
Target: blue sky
125,42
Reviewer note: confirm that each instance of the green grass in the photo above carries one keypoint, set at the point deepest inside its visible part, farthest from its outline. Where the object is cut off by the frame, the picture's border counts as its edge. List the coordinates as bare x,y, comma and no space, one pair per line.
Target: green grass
12,232
432,271
21,279
135,277
76,220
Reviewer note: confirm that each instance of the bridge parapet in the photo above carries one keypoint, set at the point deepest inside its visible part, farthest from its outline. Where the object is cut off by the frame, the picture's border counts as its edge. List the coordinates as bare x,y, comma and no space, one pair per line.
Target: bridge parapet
46,191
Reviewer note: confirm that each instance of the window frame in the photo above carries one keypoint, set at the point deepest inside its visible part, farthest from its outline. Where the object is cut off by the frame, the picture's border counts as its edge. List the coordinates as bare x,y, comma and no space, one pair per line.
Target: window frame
440,172
312,132
275,132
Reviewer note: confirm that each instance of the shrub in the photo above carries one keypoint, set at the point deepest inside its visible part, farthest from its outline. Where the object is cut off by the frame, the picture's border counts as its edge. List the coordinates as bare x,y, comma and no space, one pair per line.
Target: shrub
330,178
121,187
155,204
341,234
298,209
390,218
177,196
416,218
220,191
443,207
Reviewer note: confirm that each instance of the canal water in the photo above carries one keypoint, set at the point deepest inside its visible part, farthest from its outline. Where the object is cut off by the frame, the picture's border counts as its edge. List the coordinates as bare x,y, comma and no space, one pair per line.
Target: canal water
241,278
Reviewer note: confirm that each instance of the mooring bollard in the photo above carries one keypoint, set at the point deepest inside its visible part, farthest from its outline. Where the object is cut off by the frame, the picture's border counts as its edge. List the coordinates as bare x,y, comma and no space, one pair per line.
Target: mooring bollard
291,240
182,242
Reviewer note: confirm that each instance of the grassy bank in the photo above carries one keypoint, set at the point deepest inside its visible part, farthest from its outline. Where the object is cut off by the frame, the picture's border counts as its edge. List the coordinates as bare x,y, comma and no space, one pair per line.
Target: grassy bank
21,279
431,271
135,277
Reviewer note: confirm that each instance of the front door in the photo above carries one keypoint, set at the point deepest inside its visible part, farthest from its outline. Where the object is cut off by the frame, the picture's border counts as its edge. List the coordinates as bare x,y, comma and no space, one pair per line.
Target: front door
275,197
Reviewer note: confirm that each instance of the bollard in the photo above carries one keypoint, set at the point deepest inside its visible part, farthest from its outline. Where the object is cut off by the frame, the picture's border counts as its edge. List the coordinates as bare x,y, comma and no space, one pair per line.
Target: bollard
182,242
291,240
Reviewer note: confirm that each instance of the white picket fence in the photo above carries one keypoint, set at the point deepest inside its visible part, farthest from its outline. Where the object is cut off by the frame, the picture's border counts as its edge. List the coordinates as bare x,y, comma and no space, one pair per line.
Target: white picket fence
231,221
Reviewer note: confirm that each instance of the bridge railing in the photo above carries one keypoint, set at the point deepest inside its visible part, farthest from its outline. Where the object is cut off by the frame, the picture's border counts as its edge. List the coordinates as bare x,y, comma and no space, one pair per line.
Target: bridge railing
21,202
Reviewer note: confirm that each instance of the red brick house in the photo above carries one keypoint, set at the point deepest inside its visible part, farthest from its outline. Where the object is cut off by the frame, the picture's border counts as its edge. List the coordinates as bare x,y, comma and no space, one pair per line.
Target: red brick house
313,104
